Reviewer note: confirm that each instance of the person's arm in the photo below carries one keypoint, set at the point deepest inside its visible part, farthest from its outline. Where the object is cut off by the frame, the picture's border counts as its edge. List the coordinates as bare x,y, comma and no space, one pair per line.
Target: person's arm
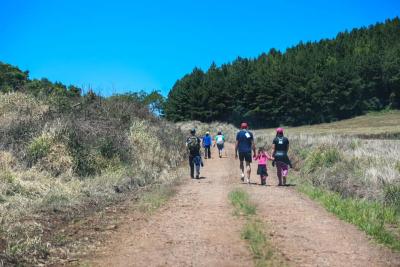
273,149
237,145
253,145
236,149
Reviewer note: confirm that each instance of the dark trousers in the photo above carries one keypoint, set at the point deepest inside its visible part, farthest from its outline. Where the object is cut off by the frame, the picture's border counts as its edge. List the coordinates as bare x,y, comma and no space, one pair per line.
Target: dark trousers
191,164
207,152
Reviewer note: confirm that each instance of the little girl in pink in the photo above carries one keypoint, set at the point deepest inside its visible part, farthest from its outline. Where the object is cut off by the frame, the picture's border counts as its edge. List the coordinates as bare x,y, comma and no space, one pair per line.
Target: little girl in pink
262,158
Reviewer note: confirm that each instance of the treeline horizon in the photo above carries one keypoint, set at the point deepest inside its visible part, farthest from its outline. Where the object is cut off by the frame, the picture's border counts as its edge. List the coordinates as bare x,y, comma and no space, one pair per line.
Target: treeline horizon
63,97
313,82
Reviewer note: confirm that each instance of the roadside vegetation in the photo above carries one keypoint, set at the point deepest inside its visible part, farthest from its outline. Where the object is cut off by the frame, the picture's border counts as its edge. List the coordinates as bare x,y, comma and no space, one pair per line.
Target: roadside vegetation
357,179
65,155
254,230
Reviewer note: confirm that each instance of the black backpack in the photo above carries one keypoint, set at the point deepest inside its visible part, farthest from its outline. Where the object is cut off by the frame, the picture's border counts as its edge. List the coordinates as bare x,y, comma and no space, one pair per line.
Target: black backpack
193,144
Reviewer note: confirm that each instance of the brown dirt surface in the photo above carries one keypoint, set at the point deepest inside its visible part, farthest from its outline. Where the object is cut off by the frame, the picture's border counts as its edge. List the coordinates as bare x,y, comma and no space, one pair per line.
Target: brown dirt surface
197,228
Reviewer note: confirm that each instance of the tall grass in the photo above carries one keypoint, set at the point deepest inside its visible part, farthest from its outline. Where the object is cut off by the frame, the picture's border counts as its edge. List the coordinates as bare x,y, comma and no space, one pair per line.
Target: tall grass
62,165
357,179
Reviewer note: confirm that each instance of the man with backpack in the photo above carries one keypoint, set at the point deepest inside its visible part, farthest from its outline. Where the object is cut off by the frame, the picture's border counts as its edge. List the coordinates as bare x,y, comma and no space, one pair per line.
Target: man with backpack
193,145
219,141
207,141
244,146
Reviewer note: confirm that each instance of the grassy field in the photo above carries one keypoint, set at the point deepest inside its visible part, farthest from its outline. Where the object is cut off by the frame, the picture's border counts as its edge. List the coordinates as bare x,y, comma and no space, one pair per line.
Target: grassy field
383,125
352,168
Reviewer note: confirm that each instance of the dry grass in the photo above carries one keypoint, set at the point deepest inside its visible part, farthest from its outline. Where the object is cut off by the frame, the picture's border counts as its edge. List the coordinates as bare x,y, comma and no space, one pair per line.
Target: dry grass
339,157
373,125
41,163
347,165
356,178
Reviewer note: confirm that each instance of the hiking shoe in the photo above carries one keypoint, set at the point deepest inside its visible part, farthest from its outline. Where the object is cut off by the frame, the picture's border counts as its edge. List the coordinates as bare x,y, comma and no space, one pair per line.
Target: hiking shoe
242,177
248,180
197,176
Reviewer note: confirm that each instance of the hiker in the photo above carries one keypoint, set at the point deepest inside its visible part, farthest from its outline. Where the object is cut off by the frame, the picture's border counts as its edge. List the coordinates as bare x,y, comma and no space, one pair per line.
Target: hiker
262,158
193,145
219,141
244,146
207,142
280,148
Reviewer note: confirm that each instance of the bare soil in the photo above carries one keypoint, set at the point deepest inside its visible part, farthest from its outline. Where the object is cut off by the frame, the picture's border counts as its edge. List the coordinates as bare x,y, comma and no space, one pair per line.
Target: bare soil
197,228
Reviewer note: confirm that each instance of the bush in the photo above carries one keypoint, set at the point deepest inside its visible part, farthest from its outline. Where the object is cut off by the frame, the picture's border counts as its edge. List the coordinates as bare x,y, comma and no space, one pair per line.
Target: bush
397,166
323,156
38,149
392,196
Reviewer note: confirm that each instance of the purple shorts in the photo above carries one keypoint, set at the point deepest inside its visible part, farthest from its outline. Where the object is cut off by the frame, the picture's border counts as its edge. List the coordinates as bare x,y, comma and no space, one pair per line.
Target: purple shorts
282,169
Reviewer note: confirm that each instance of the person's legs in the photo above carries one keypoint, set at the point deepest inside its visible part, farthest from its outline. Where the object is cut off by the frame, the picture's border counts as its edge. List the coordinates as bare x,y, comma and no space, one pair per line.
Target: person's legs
207,152
248,167
191,164
241,159
263,179
242,170
279,172
282,172
248,171
197,171
197,163
285,171
219,146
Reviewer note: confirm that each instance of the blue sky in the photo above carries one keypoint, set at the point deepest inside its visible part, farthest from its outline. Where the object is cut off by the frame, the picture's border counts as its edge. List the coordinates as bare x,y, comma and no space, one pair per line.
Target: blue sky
117,46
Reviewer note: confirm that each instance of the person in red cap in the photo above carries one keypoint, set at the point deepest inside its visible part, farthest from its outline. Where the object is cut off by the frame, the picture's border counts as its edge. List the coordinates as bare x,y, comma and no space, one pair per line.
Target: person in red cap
244,146
280,148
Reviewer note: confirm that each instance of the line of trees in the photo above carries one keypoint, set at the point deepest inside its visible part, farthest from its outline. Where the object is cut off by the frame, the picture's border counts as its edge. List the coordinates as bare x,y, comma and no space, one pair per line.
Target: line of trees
63,98
313,82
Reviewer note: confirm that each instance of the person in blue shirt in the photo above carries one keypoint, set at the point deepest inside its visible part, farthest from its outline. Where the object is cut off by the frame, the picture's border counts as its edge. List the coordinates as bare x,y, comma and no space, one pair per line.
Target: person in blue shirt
207,142
244,146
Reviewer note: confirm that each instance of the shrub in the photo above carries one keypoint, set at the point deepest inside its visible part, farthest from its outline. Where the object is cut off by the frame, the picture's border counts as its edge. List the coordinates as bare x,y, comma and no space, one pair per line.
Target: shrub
107,147
57,161
397,166
38,149
323,156
392,196
25,242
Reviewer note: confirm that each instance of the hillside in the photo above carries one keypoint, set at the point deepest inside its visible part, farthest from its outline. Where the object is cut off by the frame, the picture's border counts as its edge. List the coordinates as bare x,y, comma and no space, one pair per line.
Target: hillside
310,83
380,125
65,155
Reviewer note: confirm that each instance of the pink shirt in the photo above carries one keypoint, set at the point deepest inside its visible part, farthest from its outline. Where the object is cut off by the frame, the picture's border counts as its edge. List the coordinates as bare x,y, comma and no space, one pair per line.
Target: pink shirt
262,158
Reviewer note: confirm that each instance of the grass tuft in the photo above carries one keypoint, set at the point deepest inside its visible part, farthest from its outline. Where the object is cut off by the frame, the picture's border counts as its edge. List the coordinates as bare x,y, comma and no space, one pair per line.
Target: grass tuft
253,231
156,197
240,200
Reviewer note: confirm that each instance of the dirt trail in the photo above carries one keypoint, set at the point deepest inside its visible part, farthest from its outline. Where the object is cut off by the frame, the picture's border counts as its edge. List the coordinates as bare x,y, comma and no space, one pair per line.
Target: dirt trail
196,228
307,235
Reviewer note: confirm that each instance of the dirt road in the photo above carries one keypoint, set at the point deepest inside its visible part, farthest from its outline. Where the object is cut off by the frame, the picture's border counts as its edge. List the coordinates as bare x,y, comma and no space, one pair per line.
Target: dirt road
197,228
